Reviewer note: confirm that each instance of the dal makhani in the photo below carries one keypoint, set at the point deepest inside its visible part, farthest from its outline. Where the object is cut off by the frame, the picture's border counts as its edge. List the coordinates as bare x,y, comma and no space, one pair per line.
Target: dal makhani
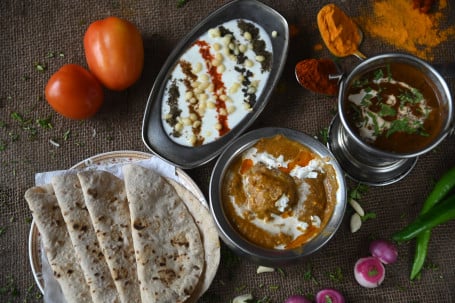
394,107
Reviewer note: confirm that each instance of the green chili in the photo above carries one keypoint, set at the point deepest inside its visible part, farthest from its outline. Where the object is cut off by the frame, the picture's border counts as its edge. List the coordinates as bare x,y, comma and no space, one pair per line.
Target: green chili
440,190
437,215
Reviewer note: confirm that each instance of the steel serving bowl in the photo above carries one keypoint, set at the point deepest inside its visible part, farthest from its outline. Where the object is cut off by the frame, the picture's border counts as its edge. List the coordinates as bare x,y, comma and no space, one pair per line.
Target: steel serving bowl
370,165
256,253
437,82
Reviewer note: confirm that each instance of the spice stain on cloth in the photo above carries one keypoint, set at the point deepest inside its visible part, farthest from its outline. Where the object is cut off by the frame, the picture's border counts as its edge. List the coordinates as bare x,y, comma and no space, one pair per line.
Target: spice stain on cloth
398,23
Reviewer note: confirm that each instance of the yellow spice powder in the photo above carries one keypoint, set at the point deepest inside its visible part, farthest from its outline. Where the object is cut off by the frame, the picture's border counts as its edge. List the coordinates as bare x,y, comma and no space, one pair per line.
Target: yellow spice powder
398,23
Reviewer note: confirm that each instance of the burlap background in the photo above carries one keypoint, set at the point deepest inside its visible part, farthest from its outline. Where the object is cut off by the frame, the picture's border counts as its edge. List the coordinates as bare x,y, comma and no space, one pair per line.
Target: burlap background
30,30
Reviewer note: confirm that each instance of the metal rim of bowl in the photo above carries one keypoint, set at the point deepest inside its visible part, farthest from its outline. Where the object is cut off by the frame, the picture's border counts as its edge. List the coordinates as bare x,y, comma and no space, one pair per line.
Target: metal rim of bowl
426,68
242,246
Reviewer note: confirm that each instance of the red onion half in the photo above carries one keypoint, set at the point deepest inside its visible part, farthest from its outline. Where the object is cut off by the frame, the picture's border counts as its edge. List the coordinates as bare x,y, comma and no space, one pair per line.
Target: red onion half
369,272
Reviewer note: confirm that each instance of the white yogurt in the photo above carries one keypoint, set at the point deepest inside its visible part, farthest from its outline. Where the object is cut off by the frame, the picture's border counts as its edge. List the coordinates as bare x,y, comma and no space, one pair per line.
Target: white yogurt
207,113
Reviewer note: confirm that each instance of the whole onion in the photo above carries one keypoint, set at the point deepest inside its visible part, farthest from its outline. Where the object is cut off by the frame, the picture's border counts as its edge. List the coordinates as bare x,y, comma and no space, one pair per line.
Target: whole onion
384,250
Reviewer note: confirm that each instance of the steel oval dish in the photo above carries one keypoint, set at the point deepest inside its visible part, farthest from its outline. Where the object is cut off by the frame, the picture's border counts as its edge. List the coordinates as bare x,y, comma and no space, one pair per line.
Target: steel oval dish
153,133
260,255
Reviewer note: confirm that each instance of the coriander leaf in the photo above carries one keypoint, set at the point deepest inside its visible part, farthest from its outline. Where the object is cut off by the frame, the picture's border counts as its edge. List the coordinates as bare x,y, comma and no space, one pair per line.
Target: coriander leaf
360,82
378,74
387,110
18,117
368,216
375,122
337,275
40,67
3,145
66,135
403,125
45,123
357,192
389,73
324,135
181,3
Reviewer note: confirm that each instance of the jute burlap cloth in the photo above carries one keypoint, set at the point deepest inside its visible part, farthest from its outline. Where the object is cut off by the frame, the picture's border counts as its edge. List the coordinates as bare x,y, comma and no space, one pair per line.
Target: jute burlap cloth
50,33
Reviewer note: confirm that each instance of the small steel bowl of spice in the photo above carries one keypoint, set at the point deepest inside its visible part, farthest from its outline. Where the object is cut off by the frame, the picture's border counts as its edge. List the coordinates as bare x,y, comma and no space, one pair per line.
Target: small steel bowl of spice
277,196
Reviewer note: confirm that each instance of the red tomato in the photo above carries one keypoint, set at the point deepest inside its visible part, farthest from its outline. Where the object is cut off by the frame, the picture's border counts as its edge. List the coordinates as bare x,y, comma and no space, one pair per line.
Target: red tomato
114,51
74,92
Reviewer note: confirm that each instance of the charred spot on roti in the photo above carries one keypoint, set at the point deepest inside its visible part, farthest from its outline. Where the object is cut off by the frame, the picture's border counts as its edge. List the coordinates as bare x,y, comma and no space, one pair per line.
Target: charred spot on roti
180,240
139,224
167,276
92,192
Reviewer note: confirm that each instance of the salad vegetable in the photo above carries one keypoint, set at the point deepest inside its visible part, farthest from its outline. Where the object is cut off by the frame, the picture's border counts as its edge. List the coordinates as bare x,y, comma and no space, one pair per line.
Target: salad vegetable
444,185
437,215
369,272
384,250
329,295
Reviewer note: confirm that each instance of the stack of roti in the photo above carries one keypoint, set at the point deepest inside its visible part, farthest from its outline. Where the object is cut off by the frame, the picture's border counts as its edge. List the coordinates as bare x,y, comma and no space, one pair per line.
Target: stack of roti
141,239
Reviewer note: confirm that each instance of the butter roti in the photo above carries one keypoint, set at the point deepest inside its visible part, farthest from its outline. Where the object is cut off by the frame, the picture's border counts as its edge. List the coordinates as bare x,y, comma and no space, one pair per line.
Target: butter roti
209,237
71,201
57,244
167,243
106,202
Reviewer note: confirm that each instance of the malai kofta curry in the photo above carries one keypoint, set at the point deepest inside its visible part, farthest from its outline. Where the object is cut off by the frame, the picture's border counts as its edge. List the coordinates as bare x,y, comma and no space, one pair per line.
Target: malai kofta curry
394,107
279,194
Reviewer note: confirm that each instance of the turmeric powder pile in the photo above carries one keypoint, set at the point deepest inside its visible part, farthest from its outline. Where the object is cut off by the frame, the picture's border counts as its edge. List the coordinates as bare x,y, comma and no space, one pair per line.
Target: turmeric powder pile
397,22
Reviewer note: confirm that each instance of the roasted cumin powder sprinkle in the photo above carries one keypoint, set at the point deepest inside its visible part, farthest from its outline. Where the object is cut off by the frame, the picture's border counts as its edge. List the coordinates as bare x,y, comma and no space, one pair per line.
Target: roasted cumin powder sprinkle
258,44
173,102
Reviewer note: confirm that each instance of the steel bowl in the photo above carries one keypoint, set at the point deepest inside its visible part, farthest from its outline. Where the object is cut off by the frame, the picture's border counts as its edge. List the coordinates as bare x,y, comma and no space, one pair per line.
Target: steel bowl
254,252
440,87
370,165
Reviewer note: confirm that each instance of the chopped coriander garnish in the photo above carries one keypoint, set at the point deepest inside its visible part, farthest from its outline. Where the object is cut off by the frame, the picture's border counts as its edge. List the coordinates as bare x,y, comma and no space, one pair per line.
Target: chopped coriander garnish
389,72
3,145
66,135
18,117
367,216
45,123
273,287
14,137
181,3
40,67
378,74
357,192
324,135
387,110
2,230
336,276
308,275
10,288
375,122
402,125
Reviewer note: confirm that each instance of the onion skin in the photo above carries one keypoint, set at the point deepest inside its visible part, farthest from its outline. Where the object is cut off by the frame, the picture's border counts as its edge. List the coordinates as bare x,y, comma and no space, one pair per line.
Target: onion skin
297,299
369,272
329,295
384,250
